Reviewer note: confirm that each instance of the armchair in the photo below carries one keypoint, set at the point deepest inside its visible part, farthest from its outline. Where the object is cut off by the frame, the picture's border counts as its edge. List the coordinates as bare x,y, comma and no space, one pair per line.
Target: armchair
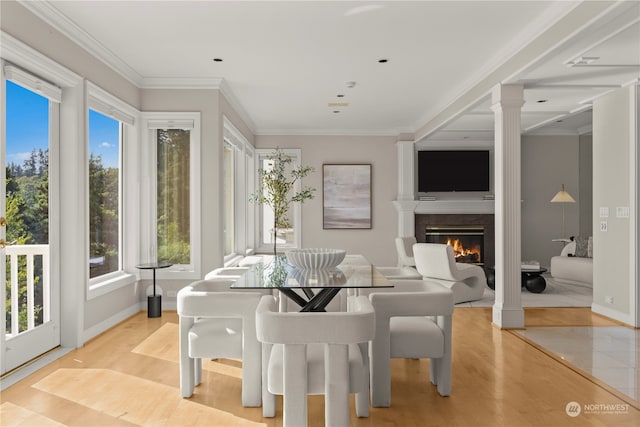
413,320
214,323
435,262
315,353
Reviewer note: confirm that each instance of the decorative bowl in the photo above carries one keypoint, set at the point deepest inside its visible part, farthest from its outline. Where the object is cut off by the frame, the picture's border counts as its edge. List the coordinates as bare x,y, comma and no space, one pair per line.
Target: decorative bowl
315,258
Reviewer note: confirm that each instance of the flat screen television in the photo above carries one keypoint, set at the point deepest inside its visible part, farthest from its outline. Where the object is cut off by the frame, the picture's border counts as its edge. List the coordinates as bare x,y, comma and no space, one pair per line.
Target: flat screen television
453,170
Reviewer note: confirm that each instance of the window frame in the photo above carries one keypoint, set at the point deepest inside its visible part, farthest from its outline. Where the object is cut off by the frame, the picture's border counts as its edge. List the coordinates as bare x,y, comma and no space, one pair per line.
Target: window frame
244,184
104,103
152,121
260,154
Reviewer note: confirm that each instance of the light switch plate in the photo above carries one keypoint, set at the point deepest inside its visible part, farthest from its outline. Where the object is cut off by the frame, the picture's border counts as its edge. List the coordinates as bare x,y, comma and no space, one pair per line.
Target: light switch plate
622,212
603,226
604,212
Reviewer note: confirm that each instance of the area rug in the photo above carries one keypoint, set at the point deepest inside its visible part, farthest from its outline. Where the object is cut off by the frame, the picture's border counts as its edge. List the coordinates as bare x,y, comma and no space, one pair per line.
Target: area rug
555,295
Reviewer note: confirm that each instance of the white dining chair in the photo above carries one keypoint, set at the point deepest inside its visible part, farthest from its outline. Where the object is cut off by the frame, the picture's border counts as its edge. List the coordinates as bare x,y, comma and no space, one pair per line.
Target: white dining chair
226,273
315,353
216,322
404,250
413,321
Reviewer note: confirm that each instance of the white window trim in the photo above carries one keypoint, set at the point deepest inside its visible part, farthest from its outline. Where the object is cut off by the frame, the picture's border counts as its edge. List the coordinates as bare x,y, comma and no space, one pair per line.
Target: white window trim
170,120
244,155
296,153
107,104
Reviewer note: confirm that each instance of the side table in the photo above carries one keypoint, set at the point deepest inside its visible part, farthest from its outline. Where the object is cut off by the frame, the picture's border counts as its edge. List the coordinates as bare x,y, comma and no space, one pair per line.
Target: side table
154,302
532,280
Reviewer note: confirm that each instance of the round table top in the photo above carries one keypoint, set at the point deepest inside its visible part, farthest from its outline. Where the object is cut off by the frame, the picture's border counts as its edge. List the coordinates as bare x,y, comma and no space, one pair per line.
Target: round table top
154,265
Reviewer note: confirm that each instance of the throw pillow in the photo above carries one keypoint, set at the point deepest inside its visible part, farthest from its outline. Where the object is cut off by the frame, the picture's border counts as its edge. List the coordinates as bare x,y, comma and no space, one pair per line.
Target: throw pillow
582,244
590,247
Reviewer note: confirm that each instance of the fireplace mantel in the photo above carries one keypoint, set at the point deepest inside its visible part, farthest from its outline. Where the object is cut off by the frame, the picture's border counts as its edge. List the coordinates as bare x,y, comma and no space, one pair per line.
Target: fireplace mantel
407,209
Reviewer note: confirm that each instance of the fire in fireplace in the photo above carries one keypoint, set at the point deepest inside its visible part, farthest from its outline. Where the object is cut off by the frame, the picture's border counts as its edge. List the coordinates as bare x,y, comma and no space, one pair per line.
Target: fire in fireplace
467,241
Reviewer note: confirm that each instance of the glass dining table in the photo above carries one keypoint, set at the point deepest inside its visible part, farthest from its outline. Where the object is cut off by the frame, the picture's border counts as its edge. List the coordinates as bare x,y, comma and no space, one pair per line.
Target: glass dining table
318,287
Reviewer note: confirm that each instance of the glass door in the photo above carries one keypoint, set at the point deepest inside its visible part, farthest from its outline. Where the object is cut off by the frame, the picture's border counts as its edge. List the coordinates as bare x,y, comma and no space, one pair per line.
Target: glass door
30,312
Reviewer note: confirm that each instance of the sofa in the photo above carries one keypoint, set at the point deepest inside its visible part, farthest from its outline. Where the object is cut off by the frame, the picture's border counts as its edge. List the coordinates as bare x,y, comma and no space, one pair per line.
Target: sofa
572,268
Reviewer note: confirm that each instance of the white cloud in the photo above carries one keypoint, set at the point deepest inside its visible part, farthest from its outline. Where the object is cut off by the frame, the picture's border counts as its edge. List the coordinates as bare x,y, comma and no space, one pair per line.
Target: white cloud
17,157
105,144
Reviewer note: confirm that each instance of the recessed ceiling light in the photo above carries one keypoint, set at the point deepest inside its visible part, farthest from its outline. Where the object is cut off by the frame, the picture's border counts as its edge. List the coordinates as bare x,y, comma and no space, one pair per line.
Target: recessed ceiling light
559,121
340,95
351,85
383,61
217,59
541,100
336,111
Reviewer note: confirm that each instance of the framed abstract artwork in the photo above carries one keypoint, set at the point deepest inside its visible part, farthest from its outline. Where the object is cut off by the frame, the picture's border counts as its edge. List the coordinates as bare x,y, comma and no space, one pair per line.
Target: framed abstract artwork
346,196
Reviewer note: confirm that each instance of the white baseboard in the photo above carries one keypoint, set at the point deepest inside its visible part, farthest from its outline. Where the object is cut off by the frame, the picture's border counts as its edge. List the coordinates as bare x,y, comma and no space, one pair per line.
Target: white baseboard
109,323
612,314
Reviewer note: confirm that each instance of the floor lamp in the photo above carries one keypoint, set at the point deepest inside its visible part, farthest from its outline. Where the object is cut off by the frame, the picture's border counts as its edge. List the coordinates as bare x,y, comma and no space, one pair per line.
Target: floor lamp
563,197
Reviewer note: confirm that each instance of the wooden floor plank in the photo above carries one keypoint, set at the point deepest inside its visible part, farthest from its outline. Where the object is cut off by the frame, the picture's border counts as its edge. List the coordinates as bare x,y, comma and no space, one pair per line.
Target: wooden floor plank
129,376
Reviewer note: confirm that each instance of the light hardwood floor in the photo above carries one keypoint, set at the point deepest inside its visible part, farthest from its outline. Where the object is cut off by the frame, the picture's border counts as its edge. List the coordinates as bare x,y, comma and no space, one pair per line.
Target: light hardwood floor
129,376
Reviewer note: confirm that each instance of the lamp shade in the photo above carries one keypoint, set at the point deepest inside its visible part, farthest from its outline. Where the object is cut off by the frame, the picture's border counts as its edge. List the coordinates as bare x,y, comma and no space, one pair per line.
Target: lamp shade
562,197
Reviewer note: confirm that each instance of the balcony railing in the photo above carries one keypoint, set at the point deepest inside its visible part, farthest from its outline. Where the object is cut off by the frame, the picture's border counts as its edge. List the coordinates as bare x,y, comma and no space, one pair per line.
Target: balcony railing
28,264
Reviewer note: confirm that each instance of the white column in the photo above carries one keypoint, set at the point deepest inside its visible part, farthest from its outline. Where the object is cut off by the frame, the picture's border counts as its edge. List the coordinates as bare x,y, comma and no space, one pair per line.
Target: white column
405,201
507,101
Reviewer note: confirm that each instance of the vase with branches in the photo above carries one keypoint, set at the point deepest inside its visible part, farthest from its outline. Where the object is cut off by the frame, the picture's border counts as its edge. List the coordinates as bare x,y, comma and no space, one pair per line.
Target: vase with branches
277,189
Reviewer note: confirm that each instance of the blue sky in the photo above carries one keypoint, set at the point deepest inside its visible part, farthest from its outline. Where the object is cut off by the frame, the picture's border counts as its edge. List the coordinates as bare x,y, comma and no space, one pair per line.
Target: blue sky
27,127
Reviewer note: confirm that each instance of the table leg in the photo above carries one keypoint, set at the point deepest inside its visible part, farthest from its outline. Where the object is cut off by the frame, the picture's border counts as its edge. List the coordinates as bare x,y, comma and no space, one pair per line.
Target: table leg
154,302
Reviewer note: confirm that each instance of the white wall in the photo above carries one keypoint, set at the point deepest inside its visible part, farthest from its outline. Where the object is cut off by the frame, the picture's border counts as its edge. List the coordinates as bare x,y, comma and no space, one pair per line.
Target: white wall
614,256
376,244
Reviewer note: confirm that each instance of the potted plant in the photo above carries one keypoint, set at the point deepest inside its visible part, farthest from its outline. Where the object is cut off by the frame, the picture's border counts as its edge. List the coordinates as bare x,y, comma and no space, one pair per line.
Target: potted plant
277,189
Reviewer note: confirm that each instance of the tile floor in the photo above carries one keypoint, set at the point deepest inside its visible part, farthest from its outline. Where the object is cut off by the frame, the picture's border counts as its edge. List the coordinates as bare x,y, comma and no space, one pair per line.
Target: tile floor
609,353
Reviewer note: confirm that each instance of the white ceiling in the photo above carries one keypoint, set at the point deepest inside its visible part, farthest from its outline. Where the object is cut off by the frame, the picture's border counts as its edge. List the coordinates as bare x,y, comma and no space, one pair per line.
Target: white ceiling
285,62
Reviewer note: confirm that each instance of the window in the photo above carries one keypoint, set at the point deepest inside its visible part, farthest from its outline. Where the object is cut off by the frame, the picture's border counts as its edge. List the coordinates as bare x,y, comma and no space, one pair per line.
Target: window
228,167
173,207
111,144
238,171
174,203
287,234
104,194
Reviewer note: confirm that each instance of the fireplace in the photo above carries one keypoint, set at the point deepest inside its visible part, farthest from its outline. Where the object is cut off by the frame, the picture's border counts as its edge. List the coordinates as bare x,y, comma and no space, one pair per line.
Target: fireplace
467,241
485,222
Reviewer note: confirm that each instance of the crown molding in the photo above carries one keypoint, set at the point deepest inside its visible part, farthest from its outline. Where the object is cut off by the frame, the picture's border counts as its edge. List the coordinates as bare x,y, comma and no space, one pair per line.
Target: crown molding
52,16
231,98
180,83
328,132
18,53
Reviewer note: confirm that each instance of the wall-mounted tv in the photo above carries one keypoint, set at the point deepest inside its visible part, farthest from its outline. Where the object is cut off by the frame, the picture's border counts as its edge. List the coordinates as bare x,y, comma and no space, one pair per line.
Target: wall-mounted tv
453,170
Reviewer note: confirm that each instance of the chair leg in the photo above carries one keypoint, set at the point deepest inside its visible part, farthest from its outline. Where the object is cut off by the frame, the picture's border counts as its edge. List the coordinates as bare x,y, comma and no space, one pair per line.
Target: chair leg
336,385
268,399
443,376
197,374
380,375
362,397
433,371
187,374
295,386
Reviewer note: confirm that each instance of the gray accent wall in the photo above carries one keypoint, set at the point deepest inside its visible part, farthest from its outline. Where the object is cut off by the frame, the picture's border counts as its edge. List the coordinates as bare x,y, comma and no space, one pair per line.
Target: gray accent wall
547,163
585,180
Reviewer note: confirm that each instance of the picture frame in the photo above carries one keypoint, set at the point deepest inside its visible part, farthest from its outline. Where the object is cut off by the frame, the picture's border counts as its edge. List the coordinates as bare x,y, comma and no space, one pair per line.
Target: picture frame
346,196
